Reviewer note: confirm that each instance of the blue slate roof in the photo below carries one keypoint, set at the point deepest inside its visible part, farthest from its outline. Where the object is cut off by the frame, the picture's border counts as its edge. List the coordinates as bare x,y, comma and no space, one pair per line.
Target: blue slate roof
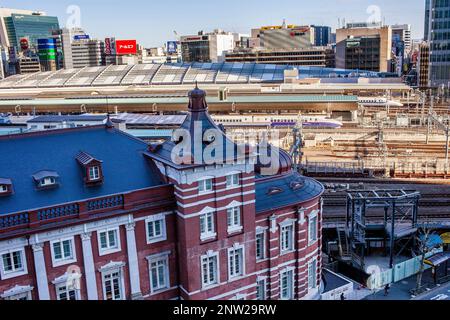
124,166
67,118
291,194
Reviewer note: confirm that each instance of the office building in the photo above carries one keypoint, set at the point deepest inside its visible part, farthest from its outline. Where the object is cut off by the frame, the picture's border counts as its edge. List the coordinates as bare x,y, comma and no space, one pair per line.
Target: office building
88,53
32,27
283,37
5,25
207,47
364,46
108,217
29,64
312,57
402,33
439,37
322,36
423,65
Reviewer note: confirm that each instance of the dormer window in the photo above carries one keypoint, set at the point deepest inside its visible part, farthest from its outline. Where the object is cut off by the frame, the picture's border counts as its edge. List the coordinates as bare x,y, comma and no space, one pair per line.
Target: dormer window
46,179
5,187
94,173
92,168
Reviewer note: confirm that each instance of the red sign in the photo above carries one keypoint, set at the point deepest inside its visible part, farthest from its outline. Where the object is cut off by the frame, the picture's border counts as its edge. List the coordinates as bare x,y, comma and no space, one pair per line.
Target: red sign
125,47
24,44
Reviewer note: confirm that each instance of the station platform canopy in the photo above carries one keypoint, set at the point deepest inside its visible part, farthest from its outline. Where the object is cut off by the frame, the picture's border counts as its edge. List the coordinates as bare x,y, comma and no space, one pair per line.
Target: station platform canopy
175,74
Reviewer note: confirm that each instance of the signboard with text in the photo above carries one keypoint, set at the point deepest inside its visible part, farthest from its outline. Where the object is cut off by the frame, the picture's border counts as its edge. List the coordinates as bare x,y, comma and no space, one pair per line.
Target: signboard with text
126,47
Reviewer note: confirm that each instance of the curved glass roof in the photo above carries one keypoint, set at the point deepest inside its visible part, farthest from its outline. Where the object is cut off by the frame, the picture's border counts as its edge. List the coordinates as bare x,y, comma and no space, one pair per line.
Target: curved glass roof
173,74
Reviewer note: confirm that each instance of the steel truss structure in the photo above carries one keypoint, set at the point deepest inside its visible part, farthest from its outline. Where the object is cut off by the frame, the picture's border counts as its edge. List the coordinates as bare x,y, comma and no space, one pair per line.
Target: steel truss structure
400,219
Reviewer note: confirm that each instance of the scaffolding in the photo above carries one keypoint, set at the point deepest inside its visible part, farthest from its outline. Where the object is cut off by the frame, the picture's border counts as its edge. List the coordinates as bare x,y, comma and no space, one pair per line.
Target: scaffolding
400,209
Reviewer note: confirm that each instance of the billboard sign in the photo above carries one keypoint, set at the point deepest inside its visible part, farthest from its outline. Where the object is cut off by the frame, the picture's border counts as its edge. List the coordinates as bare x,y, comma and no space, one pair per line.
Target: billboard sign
47,49
172,47
81,37
126,47
108,46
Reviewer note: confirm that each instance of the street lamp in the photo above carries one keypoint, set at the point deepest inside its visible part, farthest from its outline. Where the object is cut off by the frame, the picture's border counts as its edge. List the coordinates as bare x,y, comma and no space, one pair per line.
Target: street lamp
96,93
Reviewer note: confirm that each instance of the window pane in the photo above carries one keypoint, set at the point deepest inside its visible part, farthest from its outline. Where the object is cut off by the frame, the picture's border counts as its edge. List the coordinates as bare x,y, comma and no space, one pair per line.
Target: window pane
17,257
103,242
57,250
158,228
7,263
112,239
151,231
67,249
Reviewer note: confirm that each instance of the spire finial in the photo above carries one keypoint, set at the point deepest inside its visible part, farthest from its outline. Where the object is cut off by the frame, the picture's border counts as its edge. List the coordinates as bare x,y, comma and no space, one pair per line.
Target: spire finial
196,84
109,124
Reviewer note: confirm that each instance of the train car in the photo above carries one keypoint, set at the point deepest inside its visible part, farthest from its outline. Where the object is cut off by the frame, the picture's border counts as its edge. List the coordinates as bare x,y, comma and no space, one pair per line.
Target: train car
379,102
309,121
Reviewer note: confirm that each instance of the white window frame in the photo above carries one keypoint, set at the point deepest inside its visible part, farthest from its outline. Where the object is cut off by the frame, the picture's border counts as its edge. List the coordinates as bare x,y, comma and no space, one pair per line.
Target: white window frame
208,234
49,181
290,273
236,224
3,188
230,178
109,249
312,282
153,219
121,282
208,256
202,185
63,261
261,282
291,240
58,286
14,273
94,173
263,249
231,257
313,235
164,257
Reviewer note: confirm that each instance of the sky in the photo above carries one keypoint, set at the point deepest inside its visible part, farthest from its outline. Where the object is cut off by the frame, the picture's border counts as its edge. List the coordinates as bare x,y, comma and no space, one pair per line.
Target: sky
153,23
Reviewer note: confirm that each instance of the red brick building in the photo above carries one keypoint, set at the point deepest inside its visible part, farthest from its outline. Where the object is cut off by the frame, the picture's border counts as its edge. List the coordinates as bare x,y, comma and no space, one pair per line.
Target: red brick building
93,213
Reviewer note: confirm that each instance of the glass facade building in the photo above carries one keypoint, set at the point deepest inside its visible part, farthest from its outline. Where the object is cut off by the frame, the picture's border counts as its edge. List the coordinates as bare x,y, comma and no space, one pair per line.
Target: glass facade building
439,37
322,35
32,27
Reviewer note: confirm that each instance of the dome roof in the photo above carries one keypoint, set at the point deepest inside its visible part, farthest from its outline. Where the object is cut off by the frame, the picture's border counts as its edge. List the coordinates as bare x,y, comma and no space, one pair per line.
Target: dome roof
284,163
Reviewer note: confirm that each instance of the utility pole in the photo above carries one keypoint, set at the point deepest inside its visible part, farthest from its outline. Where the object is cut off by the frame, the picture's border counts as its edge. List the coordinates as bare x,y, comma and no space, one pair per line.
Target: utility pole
430,113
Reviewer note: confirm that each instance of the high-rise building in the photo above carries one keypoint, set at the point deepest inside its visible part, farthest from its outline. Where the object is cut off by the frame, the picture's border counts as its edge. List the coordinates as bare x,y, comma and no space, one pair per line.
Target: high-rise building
322,35
207,47
5,25
427,20
402,33
423,65
438,24
88,53
364,46
29,26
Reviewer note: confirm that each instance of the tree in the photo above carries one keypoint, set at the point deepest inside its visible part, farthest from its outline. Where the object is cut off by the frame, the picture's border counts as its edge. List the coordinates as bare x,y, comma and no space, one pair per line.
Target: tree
423,239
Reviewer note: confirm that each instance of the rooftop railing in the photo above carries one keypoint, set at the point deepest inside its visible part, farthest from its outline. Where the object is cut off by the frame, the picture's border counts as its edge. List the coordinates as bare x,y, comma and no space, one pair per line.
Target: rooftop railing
85,210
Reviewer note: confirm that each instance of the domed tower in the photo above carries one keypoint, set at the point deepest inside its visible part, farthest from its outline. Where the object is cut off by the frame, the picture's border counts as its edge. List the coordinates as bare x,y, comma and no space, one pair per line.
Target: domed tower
214,184
248,226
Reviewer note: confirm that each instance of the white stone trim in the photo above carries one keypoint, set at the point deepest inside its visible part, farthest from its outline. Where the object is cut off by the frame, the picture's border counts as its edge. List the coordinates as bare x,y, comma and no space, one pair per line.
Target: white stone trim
236,247
17,291
13,274
153,218
104,252
157,257
63,262
194,204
